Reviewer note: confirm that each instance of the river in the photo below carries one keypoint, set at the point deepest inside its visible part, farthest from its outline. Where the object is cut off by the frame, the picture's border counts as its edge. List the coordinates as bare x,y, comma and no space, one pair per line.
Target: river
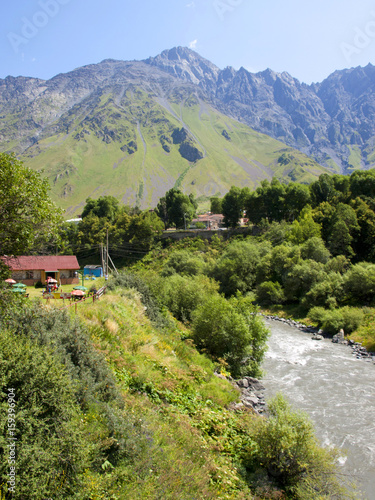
334,388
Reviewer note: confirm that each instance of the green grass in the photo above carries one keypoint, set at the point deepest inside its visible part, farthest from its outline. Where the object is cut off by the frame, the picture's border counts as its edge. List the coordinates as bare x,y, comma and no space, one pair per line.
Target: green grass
91,167
355,158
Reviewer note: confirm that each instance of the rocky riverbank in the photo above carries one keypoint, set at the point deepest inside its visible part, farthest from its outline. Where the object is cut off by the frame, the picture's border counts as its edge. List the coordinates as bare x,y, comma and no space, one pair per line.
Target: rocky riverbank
359,351
252,395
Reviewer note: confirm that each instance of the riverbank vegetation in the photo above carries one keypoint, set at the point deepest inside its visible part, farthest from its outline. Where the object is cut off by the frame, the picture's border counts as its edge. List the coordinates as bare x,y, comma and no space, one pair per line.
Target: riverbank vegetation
117,403
133,396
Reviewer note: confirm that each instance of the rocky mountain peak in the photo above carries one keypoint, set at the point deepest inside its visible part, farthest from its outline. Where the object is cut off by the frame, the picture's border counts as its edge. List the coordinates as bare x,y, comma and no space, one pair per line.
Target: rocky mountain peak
186,65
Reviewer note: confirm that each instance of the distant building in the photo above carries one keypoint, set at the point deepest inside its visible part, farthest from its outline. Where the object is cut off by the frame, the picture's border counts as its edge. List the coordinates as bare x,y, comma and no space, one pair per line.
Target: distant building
31,269
74,221
211,221
96,271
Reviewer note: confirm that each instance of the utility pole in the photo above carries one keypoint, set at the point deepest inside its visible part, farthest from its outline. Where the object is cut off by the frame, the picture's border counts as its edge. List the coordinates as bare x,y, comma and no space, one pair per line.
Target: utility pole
107,257
102,257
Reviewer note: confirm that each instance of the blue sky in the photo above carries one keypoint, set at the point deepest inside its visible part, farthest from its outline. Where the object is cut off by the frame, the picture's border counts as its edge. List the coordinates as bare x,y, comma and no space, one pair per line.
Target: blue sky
309,40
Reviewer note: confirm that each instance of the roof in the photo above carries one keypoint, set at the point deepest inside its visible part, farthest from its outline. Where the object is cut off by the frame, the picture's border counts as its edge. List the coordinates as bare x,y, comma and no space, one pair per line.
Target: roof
209,217
49,263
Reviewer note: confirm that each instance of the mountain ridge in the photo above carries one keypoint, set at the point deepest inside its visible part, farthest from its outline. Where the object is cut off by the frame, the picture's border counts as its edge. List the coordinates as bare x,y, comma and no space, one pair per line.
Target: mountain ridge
112,124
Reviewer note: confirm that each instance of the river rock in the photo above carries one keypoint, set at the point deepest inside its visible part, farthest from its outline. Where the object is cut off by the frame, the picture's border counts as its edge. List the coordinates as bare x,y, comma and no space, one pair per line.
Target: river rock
317,337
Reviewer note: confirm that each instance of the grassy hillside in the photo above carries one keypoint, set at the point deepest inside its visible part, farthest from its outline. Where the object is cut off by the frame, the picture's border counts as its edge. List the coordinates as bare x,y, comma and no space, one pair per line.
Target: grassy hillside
123,406
124,144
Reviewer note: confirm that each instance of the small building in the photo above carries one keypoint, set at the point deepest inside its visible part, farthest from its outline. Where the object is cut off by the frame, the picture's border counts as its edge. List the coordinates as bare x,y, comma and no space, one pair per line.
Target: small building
210,221
31,269
92,270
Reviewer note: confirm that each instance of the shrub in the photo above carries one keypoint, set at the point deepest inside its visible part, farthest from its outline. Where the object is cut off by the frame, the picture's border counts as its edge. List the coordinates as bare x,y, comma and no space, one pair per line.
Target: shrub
291,456
327,293
360,282
71,345
269,292
49,446
332,321
230,330
236,269
182,295
185,263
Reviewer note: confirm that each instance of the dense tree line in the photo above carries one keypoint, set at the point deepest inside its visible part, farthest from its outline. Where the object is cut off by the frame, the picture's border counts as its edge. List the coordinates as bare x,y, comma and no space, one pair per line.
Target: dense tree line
342,206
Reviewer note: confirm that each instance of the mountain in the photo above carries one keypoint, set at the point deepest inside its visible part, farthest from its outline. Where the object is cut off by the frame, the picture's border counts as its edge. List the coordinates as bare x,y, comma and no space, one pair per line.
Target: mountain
134,129
333,121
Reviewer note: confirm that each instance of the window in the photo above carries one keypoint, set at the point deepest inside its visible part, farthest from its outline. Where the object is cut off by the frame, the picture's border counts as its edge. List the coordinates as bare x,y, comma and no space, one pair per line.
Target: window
29,275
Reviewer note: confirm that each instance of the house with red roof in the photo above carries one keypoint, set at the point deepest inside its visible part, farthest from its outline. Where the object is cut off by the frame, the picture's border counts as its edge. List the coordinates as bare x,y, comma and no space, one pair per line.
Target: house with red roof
31,269
211,221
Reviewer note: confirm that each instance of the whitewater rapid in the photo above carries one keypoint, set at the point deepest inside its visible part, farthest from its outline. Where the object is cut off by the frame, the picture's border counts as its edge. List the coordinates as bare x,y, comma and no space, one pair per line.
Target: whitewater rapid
334,388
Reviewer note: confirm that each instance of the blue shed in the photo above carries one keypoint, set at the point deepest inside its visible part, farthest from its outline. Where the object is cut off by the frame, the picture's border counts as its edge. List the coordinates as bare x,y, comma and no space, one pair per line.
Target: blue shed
96,271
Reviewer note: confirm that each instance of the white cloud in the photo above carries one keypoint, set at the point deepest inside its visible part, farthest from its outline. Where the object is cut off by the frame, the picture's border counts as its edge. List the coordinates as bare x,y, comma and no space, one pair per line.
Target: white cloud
191,5
193,44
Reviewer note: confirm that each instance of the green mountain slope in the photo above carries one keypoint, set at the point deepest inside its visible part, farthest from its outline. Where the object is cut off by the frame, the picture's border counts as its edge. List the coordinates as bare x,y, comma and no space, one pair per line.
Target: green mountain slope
135,145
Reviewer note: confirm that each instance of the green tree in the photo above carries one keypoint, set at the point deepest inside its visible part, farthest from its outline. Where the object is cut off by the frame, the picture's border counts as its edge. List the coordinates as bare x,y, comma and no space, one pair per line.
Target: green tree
183,294
362,184
269,292
302,277
364,244
185,263
92,230
216,205
339,227
359,282
236,269
323,190
176,208
340,240
232,207
276,265
143,229
103,207
29,220
267,202
297,196
326,293
315,249
305,227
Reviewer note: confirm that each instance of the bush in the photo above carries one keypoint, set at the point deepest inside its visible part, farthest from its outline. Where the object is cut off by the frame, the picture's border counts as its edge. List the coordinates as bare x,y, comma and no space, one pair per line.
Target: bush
230,330
49,446
327,293
332,321
185,263
182,294
291,456
236,269
360,282
269,292
71,345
